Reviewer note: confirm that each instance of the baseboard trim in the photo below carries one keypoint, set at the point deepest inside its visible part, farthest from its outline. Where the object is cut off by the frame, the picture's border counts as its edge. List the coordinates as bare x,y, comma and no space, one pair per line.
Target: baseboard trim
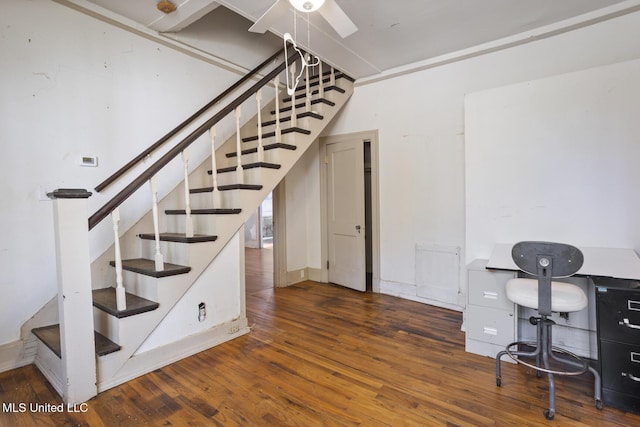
408,292
297,276
315,274
17,354
144,363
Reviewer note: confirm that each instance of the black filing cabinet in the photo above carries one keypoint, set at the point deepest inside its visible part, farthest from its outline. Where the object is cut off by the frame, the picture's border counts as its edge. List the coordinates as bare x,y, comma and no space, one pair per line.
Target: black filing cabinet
618,306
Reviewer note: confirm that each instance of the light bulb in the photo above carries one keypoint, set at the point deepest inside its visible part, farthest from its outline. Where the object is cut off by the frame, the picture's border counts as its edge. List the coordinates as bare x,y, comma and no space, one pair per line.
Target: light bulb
307,5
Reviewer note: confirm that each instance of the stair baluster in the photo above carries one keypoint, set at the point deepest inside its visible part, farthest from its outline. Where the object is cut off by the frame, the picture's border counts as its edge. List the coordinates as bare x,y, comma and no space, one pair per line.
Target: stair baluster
293,97
187,194
239,173
214,168
121,301
278,131
332,78
260,147
307,98
320,81
159,259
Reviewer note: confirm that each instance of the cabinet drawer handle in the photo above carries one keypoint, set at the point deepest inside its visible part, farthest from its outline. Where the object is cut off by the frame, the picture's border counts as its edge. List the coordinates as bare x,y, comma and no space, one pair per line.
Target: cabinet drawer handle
626,323
631,377
490,331
490,295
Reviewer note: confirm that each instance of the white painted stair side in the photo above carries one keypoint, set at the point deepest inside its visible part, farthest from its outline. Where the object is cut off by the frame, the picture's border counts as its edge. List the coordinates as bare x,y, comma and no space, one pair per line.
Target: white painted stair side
131,333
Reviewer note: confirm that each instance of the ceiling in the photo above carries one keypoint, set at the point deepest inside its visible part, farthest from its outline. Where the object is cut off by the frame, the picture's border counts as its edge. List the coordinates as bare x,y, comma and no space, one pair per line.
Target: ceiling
390,34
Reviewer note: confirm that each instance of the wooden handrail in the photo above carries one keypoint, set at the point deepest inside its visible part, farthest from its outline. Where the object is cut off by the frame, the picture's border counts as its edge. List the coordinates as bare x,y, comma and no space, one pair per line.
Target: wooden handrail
140,157
126,192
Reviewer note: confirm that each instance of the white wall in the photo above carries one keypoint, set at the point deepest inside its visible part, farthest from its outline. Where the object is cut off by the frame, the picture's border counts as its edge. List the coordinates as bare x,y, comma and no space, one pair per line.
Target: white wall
71,86
303,212
218,287
555,159
420,118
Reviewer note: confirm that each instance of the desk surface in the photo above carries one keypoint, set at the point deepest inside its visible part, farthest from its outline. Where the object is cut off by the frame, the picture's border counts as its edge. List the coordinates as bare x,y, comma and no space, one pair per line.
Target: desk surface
605,262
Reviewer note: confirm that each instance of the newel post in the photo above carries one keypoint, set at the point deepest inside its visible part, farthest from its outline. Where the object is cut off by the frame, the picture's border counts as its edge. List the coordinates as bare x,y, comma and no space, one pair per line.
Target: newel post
75,309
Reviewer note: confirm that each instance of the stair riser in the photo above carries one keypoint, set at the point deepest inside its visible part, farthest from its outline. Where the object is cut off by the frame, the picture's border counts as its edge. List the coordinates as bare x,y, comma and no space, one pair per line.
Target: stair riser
203,224
225,199
177,253
51,366
119,330
258,174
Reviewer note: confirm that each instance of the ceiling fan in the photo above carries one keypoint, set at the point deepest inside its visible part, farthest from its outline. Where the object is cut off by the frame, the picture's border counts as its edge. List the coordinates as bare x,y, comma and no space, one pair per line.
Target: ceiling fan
329,10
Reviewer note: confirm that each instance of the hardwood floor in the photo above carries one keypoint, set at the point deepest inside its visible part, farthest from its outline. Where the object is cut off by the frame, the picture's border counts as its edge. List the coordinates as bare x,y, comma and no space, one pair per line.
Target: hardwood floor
258,269
323,355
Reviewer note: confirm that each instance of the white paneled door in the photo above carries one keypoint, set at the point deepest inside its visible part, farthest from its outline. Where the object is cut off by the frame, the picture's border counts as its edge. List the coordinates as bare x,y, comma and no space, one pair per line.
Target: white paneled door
345,219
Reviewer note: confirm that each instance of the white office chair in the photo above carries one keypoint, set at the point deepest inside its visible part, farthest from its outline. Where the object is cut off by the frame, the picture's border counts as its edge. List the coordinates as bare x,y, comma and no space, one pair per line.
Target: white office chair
546,261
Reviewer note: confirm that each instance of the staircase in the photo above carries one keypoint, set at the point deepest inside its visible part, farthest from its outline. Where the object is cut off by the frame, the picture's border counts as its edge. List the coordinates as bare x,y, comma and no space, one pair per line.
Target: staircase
245,174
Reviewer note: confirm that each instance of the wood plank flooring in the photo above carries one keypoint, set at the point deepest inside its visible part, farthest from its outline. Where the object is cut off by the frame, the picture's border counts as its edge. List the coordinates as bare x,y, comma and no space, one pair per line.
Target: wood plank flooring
321,355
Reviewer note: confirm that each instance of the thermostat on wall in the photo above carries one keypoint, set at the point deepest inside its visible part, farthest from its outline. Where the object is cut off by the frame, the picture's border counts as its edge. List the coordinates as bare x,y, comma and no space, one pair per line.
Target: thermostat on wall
89,161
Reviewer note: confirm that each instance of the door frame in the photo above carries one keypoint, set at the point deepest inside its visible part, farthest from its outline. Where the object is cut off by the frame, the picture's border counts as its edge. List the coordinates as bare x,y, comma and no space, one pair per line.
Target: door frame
372,136
279,209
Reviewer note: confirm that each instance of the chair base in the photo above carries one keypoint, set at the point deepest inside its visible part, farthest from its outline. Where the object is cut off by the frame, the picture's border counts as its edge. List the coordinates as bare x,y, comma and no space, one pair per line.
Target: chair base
579,365
544,353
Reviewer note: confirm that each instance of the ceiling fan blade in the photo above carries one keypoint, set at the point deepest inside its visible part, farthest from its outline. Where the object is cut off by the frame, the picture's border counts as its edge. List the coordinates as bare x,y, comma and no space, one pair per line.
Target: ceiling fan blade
270,17
336,17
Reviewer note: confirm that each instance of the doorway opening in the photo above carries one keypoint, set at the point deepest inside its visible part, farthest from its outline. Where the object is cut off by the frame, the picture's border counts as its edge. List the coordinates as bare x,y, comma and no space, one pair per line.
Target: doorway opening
259,253
350,210
368,229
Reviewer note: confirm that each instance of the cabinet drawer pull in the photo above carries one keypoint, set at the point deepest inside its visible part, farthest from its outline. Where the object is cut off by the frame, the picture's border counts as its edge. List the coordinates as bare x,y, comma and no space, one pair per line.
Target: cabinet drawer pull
626,323
490,295
631,377
490,331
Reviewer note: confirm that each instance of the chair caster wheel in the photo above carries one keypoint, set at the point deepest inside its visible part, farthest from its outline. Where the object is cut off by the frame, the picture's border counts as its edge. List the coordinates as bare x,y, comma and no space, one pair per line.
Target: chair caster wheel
549,414
533,320
498,382
599,404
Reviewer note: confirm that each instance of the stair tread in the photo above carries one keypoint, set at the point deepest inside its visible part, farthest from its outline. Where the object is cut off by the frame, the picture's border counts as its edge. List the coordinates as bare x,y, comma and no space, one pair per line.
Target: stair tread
180,237
265,147
302,91
218,211
283,132
301,105
225,170
312,114
265,165
105,300
226,188
50,336
148,267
